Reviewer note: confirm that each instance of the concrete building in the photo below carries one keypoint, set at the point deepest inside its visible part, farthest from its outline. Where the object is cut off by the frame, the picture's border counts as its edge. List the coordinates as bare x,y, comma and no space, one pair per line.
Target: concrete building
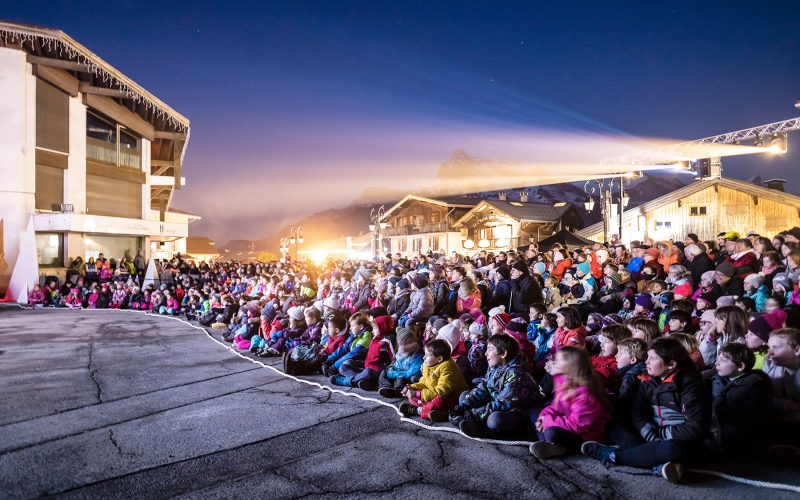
87,153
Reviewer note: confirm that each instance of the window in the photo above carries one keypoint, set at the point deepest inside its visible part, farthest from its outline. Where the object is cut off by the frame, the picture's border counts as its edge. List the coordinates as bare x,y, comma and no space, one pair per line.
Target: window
433,243
516,203
402,245
50,249
697,211
416,245
663,226
49,186
113,247
108,142
52,118
436,218
112,197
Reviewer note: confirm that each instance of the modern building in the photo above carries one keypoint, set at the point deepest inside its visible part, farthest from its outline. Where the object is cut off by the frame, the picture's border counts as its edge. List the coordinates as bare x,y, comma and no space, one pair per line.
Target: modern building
417,224
87,154
707,207
504,224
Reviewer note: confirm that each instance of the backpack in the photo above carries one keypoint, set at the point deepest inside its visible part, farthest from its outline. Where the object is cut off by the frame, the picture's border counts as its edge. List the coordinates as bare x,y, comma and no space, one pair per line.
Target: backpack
302,360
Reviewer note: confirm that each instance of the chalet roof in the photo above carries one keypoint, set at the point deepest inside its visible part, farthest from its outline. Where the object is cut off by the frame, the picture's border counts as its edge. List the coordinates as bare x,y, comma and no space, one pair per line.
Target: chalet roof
747,187
445,201
535,212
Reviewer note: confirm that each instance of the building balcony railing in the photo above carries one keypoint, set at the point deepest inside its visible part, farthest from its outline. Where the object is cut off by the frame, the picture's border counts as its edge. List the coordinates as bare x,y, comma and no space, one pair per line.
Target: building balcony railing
494,244
437,227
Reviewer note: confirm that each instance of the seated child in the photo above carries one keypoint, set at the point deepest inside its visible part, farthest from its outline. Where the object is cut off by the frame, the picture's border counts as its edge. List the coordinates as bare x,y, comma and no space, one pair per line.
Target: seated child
679,322
631,354
579,411
74,299
692,346
552,293
438,389
537,311
756,340
476,352
406,367
354,347
669,414
783,368
605,363
504,395
544,343
36,297
364,373
741,399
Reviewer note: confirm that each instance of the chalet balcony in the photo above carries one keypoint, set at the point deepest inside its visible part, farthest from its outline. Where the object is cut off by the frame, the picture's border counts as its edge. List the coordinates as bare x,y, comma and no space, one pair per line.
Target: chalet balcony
438,227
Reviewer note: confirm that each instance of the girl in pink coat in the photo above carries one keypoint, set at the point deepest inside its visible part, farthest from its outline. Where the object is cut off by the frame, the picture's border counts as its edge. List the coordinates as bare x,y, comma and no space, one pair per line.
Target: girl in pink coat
579,411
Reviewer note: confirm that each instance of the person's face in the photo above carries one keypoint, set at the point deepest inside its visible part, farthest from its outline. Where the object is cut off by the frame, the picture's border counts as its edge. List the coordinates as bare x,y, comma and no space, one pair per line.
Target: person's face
607,346
768,262
720,278
515,273
410,346
534,314
529,254
719,324
707,327
560,365
771,305
726,367
494,358
497,328
638,333
624,359
430,359
561,321
675,325
781,353
753,341
656,366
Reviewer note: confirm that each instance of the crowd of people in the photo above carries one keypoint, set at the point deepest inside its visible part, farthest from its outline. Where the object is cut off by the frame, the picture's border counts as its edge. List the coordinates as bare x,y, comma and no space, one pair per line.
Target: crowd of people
653,355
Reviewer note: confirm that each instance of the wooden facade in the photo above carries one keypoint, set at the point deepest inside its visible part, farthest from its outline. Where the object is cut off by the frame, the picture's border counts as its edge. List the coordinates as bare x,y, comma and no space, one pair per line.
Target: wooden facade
706,208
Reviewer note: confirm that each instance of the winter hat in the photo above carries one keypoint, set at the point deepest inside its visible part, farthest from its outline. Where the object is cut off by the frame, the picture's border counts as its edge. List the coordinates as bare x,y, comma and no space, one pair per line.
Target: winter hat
726,300
394,279
502,318
684,290
332,303
504,272
405,334
385,324
616,280
421,280
451,334
612,319
731,235
521,266
783,280
539,268
760,327
296,313
707,276
478,329
706,301
402,284
496,310
439,324
754,279
776,318
584,268
727,269
318,305
709,315
516,326
596,317
645,300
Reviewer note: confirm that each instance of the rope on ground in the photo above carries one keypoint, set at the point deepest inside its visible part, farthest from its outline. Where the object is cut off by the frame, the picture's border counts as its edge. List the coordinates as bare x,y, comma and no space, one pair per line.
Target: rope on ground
736,479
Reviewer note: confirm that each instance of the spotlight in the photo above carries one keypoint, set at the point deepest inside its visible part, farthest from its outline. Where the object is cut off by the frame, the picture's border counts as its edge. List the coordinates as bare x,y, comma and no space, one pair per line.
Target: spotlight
778,144
758,142
589,204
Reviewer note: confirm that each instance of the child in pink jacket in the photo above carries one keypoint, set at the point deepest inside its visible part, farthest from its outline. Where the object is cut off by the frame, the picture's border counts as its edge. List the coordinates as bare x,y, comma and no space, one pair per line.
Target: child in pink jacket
579,411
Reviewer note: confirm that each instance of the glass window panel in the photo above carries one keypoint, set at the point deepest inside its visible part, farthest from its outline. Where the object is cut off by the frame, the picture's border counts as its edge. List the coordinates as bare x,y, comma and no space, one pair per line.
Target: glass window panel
50,249
52,118
101,140
130,153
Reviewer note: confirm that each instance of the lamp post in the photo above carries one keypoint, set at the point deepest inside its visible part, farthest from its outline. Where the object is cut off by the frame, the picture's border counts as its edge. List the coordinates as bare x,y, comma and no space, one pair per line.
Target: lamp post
605,190
284,247
296,238
375,227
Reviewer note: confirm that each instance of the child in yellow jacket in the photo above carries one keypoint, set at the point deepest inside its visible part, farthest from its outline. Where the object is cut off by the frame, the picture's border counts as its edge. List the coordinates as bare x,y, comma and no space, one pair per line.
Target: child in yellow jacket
437,391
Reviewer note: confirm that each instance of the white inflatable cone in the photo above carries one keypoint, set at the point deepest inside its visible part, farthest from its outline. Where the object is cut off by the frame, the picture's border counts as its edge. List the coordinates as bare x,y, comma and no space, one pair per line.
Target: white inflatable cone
26,270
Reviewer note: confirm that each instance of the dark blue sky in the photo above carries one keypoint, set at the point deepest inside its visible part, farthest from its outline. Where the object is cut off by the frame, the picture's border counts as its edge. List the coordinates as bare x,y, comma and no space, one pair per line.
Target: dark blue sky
296,106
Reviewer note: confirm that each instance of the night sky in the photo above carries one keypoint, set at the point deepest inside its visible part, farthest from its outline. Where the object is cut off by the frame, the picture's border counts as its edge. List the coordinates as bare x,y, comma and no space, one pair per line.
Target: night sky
297,106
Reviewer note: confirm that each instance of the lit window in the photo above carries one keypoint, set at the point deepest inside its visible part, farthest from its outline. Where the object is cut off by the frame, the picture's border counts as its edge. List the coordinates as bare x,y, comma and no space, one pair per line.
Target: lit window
698,211
516,203
661,226
559,204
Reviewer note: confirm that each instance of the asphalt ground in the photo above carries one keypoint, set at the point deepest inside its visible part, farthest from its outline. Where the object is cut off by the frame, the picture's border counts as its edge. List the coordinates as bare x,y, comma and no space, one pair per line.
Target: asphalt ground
110,404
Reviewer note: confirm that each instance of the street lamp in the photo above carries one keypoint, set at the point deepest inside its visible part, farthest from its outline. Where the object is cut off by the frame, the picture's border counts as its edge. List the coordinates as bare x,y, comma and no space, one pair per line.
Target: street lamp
605,190
375,227
296,238
284,247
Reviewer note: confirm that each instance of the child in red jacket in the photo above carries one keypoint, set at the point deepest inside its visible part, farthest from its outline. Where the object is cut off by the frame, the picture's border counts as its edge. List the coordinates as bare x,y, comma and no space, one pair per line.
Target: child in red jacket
605,363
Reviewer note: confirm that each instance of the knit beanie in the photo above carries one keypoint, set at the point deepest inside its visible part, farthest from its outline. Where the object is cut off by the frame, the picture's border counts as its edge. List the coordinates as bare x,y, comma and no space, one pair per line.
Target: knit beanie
783,280
384,323
451,334
726,300
504,272
645,300
402,284
516,326
296,313
478,329
727,269
496,310
502,318
584,268
539,268
332,303
709,315
318,305
754,279
521,266
439,324
616,280
684,290
760,327
707,276
612,319
420,280
405,334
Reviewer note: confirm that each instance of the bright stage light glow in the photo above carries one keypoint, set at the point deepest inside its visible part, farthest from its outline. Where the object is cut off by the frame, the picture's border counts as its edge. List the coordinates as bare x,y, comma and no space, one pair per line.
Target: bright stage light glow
318,257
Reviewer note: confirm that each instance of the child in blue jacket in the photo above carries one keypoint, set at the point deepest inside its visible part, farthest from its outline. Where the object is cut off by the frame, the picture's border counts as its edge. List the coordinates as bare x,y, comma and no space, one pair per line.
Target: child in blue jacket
407,365
354,347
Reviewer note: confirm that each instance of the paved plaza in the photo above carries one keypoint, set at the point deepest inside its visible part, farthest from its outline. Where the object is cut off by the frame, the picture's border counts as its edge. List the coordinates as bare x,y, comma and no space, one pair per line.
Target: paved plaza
105,404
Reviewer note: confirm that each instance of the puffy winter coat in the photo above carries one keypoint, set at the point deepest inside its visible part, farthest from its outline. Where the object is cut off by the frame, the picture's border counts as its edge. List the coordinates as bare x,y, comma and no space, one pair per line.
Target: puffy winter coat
354,347
379,353
405,365
504,388
672,408
567,336
444,379
421,306
524,291
741,407
576,410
